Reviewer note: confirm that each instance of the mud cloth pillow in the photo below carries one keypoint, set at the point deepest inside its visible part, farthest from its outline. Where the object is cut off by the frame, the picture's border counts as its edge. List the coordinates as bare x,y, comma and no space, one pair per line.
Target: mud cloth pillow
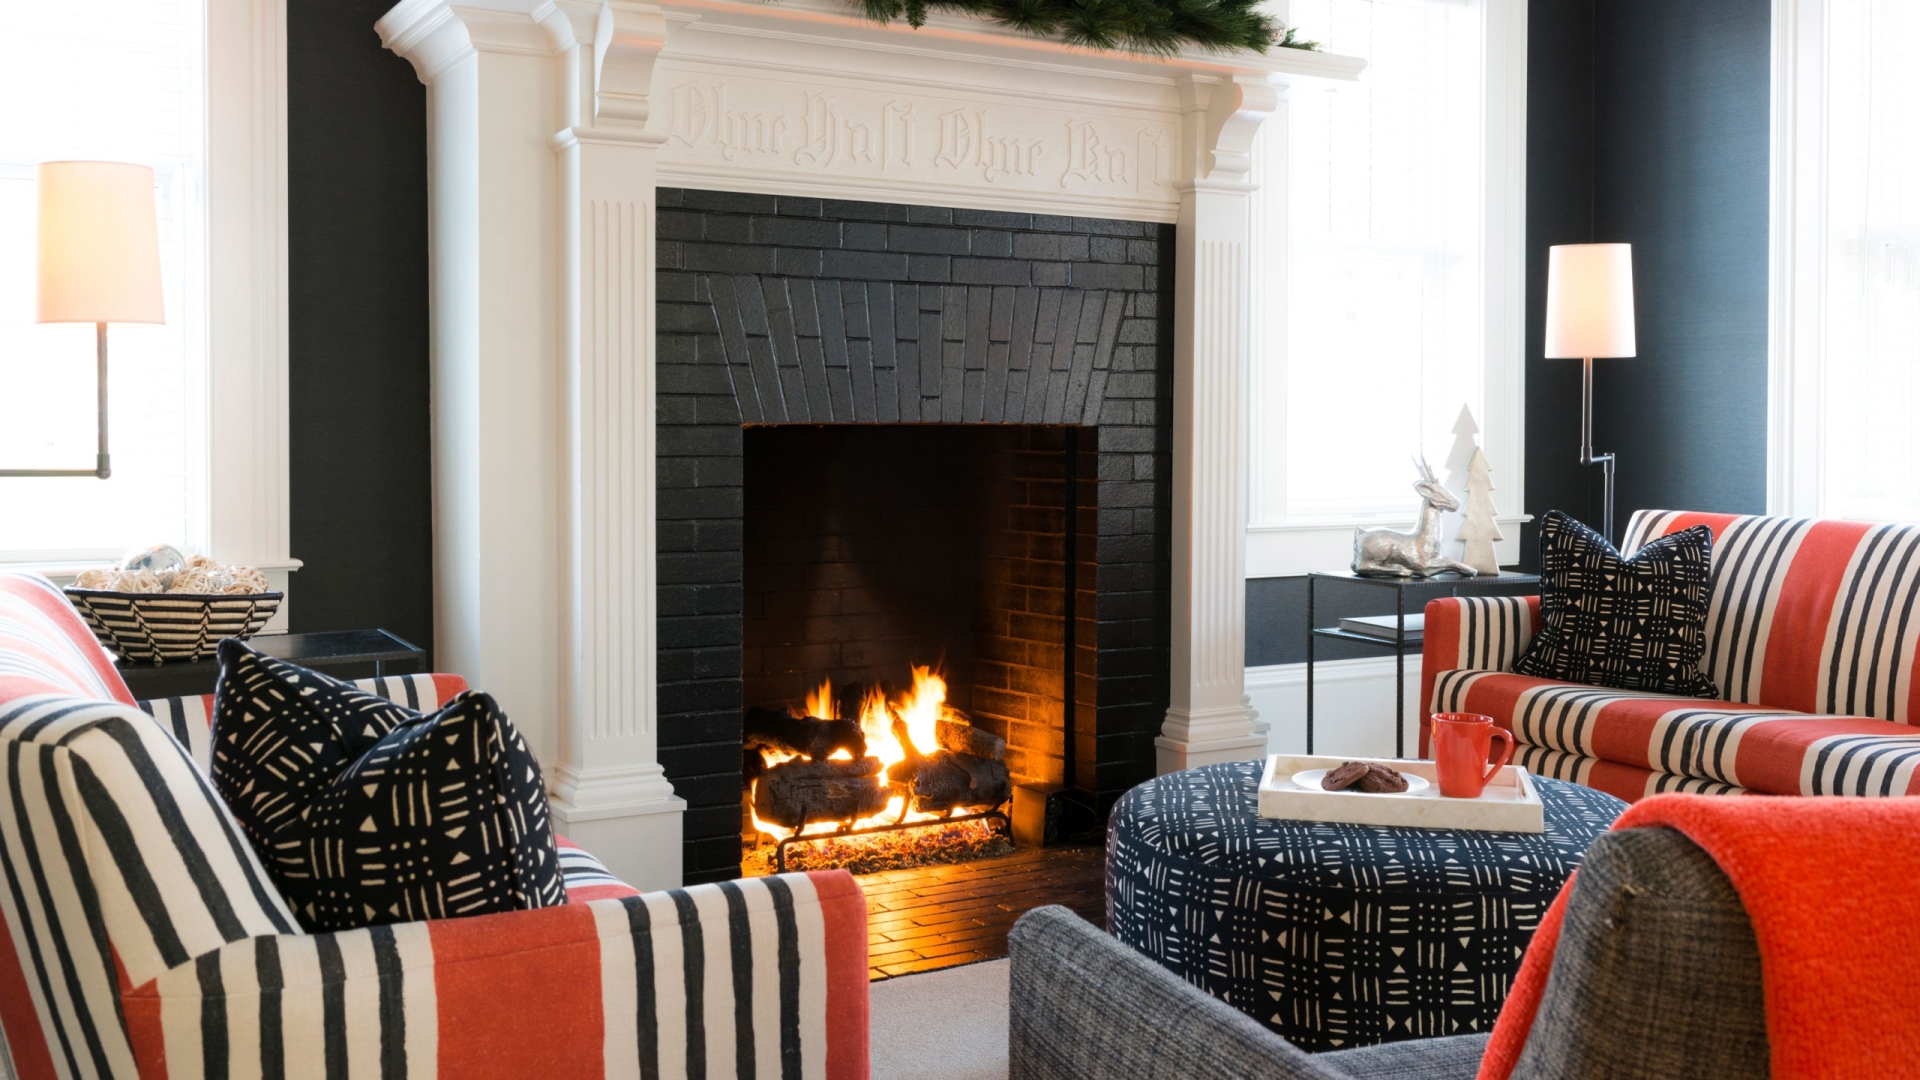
367,812
1629,624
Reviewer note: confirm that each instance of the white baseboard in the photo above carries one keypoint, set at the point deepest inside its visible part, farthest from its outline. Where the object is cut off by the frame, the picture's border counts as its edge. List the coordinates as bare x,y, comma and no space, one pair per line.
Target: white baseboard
1352,706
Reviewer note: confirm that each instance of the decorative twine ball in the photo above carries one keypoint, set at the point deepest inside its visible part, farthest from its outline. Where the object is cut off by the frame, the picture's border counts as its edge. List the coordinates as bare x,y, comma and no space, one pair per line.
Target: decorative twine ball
162,569
163,561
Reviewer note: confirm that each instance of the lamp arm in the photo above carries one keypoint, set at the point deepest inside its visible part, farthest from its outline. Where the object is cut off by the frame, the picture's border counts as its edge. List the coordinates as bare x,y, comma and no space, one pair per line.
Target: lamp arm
103,467
1587,456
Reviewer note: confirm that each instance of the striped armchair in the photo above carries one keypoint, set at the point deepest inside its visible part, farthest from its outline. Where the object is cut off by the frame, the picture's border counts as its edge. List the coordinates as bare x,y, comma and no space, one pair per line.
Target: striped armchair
1812,628
144,939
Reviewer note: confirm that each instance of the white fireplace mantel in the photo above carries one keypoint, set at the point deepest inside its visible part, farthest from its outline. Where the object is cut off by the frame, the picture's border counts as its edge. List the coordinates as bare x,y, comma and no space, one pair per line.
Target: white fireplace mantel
550,124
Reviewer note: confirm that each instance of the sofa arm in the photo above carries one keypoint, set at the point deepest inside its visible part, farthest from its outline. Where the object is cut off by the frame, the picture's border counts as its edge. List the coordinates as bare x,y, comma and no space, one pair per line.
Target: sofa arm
1083,1006
770,969
1470,633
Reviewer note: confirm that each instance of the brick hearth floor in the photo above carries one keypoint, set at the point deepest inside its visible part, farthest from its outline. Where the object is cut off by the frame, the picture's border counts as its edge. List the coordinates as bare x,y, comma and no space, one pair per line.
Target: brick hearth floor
944,916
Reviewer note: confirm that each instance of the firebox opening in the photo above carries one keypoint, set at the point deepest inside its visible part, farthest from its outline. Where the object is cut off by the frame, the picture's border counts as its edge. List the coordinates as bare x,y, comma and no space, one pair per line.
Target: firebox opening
873,550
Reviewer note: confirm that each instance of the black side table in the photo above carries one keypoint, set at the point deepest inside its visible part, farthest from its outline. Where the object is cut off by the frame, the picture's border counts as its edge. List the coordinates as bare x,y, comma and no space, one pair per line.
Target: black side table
1505,583
385,652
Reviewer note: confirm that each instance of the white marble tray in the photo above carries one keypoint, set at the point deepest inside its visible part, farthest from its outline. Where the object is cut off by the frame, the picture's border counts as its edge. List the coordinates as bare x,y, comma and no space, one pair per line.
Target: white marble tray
1510,803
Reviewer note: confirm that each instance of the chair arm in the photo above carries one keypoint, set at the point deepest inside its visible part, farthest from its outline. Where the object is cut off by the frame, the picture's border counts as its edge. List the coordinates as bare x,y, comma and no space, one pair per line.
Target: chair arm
1477,633
771,970
1083,1006
1656,973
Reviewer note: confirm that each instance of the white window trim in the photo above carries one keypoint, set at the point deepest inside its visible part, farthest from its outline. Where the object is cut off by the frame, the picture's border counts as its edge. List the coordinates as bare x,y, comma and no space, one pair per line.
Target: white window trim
1797,270
241,513
1299,547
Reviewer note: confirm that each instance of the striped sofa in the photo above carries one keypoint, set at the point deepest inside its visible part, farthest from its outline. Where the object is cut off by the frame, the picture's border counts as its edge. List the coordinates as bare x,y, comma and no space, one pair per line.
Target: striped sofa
144,939
1812,629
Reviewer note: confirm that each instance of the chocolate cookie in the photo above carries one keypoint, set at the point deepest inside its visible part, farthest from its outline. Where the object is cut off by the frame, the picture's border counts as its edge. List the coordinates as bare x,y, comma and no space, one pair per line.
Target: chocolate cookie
1381,780
1344,777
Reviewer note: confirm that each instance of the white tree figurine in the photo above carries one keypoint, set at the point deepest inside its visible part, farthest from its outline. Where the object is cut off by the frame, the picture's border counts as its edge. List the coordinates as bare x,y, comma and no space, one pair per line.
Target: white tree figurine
1459,458
1480,530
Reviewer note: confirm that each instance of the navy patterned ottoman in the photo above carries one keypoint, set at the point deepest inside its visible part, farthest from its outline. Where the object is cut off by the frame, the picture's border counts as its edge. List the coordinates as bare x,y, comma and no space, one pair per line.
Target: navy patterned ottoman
1336,935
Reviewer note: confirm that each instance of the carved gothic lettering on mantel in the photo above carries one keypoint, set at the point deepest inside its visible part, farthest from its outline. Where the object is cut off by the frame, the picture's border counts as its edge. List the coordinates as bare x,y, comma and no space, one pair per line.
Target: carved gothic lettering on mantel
789,126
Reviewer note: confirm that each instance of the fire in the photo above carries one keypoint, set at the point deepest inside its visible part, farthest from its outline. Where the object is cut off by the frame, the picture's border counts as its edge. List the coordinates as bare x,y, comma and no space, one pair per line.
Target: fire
920,709
820,703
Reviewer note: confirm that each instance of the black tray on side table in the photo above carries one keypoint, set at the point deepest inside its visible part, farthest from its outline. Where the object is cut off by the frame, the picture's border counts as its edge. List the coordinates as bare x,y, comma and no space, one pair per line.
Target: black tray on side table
353,650
1505,583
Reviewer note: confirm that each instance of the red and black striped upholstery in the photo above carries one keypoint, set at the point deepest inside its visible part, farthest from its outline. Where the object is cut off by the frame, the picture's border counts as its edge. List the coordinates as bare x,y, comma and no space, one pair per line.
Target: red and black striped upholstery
1811,639
143,938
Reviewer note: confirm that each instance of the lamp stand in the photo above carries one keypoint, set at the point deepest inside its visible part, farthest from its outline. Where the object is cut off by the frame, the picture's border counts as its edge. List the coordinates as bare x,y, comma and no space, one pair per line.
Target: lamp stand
1587,456
102,469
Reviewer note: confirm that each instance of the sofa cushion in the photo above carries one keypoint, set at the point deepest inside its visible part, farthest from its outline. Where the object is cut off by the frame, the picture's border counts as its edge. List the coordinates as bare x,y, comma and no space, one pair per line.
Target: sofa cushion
1815,616
1634,624
1719,742
367,812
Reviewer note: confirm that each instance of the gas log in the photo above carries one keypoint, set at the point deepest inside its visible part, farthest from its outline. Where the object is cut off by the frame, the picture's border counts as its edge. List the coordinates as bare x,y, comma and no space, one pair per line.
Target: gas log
967,739
945,780
773,729
797,793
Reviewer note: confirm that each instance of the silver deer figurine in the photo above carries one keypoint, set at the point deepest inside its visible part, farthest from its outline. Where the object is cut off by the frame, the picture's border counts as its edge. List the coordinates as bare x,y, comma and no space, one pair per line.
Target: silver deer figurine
1386,553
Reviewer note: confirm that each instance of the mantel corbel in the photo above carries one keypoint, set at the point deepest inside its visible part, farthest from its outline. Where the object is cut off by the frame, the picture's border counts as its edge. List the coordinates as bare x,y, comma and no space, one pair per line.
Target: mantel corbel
1234,117
1223,114
628,39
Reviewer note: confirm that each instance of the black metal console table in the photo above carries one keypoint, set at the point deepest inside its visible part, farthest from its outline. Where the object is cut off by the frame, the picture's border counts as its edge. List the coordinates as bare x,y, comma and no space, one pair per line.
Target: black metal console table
1505,583
353,650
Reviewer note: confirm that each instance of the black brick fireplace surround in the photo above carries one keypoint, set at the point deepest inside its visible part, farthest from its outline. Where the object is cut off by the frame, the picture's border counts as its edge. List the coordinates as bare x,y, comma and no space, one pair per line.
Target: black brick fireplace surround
779,311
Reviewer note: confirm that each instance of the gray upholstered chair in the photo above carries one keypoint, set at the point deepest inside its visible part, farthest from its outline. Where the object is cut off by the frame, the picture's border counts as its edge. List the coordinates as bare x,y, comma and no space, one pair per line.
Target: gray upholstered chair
1656,976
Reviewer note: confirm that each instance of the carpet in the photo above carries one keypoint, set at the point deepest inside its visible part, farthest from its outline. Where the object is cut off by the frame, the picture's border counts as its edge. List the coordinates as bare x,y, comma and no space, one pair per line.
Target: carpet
944,1025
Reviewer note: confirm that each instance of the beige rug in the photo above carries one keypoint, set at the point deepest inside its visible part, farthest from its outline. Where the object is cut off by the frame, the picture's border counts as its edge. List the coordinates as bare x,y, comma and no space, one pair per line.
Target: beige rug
944,1025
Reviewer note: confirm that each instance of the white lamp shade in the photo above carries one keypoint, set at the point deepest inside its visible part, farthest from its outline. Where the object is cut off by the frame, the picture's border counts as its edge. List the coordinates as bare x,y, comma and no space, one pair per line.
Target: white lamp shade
1589,301
99,243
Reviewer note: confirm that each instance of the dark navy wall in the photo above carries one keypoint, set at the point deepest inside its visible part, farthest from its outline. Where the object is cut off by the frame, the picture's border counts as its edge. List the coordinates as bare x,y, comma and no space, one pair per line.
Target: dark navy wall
1560,117
1648,124
1680,172
360,450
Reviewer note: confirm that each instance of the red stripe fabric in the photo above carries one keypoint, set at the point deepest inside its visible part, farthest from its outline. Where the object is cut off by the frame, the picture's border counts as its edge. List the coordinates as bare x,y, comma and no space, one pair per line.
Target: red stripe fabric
141,1007
32,1060
1439,650
1804,612
446,686
844,912
487,970
1826,884
47,646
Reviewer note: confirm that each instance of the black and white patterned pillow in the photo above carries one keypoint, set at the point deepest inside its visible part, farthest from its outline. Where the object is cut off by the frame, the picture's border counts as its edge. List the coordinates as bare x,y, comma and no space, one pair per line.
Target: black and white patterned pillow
1631,624
367,812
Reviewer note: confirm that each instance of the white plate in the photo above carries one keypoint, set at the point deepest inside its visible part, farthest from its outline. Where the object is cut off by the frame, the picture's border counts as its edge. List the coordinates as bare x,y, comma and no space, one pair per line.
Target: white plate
1310,781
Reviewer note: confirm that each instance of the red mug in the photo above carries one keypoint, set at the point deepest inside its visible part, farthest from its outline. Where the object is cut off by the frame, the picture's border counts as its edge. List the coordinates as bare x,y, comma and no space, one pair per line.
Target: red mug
1461,747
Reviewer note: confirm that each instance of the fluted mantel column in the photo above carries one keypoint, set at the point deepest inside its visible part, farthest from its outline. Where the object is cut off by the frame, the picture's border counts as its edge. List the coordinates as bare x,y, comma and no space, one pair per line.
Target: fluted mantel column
1207,719
541,199
609,790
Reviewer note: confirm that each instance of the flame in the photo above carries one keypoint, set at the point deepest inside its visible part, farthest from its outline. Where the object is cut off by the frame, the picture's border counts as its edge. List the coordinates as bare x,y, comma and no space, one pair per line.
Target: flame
820,702
920,708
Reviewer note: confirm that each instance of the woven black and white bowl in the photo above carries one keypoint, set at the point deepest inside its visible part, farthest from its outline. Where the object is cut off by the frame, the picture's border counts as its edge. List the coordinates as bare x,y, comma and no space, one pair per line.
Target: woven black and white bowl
157,627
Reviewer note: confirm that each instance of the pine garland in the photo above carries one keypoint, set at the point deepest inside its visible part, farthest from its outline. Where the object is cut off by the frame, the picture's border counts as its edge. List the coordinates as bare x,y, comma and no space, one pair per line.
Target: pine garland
1158,27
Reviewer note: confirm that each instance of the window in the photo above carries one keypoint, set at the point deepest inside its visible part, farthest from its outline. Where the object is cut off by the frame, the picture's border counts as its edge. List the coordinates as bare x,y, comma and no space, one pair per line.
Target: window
1869,330
1380,219
120,80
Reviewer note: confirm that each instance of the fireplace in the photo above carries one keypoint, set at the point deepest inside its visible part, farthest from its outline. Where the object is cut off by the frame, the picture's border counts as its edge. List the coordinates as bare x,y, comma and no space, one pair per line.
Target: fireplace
873,419
593,379
917,583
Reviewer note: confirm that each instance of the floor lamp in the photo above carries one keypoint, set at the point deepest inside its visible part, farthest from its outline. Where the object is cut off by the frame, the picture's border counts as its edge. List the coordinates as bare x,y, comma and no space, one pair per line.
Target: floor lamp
1590,314
99,244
